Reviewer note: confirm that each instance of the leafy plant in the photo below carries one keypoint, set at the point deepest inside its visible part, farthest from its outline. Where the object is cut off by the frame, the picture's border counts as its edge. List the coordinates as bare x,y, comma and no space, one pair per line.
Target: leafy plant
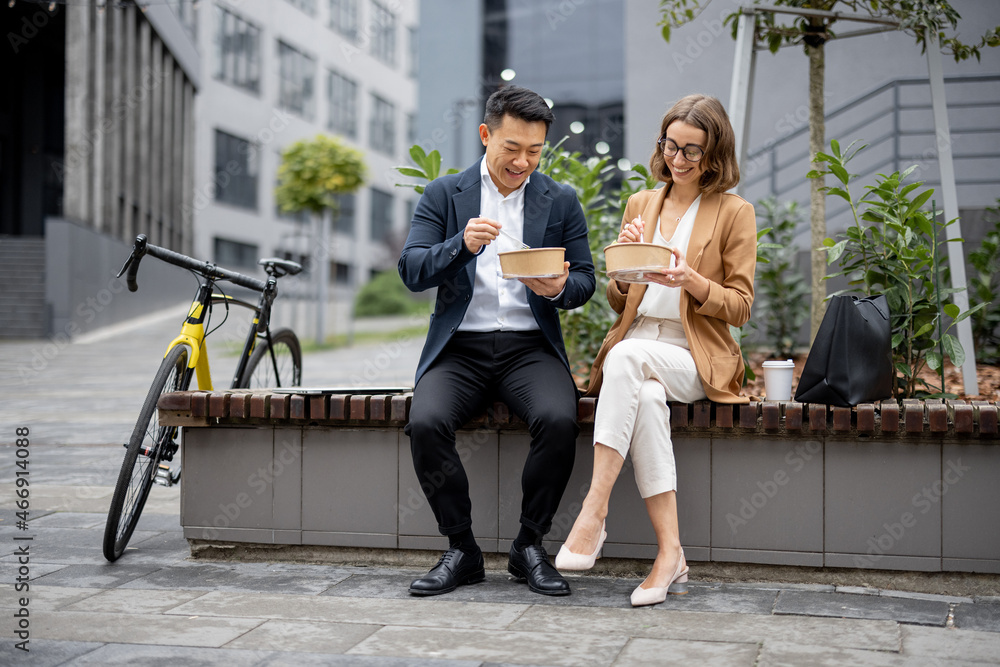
782,292
897,254
428,167
385,294
313,171
984,287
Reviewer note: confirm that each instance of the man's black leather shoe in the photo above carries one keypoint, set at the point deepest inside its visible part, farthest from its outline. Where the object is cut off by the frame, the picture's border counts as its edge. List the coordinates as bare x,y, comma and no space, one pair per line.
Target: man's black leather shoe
532,566
454,569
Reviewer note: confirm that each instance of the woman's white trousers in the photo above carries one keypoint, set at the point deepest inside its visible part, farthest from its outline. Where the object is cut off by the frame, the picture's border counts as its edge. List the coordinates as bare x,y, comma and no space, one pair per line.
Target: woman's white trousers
651,366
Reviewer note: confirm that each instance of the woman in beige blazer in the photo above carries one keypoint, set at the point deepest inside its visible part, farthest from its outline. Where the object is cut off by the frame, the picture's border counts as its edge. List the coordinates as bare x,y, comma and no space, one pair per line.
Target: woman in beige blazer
671,340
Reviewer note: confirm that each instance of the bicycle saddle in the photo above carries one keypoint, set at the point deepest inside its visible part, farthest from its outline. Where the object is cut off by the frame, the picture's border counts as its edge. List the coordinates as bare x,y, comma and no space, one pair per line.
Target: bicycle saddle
279,267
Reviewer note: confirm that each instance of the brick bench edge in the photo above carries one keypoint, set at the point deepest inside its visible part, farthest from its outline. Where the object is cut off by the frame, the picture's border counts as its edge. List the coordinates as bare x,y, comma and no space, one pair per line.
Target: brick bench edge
907,417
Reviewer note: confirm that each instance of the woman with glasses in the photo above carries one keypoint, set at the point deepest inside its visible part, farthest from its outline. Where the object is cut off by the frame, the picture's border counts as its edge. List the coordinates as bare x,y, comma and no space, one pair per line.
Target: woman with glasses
671,341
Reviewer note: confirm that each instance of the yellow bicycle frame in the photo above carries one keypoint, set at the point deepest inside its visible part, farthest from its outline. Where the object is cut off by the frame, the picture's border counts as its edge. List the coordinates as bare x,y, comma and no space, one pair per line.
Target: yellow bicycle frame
193,335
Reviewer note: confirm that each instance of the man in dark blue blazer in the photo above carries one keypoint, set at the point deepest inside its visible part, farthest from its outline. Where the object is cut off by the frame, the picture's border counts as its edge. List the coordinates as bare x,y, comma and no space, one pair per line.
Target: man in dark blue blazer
492,338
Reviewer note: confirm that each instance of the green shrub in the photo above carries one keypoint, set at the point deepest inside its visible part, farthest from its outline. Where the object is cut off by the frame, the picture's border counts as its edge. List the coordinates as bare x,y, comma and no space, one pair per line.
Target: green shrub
782,298
984,287
897,254
385,294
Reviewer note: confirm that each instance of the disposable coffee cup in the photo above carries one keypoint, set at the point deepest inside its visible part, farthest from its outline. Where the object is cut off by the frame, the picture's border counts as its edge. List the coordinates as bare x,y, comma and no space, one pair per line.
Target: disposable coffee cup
778,380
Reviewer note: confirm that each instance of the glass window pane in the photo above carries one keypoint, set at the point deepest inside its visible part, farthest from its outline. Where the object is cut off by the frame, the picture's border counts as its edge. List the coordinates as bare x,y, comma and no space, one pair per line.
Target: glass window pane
237,53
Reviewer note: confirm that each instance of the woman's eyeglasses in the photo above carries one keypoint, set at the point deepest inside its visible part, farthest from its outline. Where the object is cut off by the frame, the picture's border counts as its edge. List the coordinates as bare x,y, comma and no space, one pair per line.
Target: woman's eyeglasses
692,152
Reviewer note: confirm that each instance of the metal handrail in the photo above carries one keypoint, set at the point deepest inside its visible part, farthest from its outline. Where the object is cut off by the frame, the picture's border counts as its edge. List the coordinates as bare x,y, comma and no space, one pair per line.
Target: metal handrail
907,81
770,166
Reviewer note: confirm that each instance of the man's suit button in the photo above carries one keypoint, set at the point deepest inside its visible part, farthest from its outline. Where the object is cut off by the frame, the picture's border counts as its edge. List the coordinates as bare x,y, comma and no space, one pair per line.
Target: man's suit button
452,330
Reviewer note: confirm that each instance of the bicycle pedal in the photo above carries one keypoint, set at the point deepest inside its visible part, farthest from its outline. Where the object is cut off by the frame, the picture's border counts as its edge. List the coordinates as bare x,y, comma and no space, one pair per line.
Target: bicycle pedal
163,476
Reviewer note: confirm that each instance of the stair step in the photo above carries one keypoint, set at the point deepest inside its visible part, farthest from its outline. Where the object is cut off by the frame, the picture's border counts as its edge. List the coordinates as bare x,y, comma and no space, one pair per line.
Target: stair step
23,311
20,280
28,306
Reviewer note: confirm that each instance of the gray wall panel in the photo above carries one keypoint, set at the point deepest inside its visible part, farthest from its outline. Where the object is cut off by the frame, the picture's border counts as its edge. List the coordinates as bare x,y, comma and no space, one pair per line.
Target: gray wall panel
798,558
767,495
887,562
287,473
970,478
222,485
875,502
352,469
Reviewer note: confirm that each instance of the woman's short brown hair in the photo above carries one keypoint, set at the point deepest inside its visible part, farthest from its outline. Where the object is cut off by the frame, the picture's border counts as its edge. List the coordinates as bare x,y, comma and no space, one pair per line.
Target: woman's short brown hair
722,172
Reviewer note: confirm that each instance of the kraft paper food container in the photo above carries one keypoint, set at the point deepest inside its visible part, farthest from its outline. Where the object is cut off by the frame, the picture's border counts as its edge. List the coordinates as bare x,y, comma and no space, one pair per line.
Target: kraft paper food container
628,262
532,263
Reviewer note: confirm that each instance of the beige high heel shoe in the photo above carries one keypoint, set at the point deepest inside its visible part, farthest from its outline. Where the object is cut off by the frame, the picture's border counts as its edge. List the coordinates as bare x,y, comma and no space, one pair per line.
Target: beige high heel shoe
567,560
677,586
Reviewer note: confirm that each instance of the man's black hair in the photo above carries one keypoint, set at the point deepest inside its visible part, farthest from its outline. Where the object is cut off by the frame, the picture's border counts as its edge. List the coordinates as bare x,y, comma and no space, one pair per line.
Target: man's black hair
518,102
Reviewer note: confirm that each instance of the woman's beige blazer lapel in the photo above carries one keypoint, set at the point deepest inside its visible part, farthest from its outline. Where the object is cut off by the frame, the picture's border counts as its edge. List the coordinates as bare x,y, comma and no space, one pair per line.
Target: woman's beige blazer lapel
704,229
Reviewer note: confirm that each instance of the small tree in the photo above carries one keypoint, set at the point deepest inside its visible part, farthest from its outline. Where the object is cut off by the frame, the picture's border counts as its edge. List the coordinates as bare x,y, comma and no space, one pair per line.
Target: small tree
916,17
897,254
312,173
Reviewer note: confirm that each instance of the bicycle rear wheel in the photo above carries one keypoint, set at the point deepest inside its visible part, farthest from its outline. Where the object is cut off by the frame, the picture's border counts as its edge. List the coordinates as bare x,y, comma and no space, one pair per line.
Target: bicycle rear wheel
150,443
283,370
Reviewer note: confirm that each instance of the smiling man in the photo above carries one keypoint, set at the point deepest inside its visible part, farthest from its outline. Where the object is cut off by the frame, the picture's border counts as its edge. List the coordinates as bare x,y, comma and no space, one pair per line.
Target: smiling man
496,339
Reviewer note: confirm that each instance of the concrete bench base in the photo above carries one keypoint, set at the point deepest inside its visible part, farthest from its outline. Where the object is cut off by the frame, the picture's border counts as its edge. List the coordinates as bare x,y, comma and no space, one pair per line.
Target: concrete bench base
894,498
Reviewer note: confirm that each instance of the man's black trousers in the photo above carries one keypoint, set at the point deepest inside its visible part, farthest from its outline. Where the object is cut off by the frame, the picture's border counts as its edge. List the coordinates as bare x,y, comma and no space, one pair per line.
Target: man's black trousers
473,371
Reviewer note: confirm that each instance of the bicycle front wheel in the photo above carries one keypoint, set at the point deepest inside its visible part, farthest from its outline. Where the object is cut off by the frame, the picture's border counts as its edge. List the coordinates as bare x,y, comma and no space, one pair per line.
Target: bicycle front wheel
283,368
149,444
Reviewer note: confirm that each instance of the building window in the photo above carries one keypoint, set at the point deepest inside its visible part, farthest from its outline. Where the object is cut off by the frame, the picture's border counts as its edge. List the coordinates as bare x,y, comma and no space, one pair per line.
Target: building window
237,51
411,128
343,221
381,226
342,98
414,52
383,26
307,6
341,273
344,18
382,132
235,171
235,254
297,72
411,208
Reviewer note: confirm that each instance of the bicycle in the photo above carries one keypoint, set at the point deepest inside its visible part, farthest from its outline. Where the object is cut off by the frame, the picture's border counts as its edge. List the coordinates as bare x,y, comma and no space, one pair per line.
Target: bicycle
268,359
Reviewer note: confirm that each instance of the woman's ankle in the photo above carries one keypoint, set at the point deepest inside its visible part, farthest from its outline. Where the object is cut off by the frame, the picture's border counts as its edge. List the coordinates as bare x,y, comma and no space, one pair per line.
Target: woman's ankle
596,510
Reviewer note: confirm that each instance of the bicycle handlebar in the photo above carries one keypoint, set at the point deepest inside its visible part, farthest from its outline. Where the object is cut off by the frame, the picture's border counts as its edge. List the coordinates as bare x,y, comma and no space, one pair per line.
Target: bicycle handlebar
207,269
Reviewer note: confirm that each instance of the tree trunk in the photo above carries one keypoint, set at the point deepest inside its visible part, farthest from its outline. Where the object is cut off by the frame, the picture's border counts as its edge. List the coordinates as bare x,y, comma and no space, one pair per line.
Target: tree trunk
817,200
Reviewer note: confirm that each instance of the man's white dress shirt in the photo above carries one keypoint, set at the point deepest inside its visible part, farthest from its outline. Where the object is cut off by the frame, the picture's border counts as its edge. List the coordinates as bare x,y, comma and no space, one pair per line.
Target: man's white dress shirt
498,304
